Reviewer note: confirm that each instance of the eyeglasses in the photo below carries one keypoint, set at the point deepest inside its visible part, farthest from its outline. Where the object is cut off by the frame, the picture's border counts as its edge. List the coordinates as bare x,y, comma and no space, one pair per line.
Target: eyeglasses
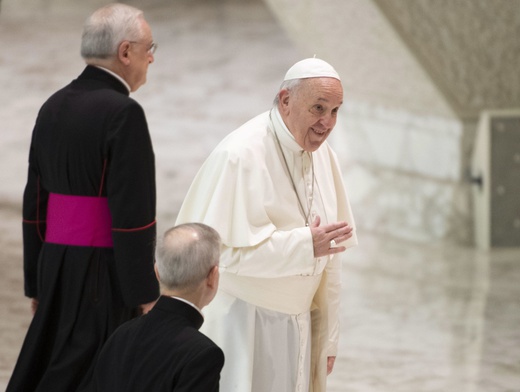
151,49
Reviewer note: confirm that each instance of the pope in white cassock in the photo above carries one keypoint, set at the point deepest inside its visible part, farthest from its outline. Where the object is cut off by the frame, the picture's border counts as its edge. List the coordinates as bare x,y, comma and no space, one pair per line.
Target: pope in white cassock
273,190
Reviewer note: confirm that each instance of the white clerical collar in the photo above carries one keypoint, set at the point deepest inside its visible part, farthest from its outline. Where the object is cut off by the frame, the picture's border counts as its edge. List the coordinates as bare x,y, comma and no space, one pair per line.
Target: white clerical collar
115,76
285,136
189,303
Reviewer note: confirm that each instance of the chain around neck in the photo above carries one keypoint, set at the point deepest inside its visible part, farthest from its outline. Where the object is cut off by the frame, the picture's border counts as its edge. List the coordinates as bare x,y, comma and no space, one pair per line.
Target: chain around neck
307,215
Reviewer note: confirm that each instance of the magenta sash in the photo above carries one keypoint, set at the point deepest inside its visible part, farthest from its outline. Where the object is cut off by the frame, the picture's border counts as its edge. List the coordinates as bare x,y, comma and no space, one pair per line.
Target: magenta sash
79,221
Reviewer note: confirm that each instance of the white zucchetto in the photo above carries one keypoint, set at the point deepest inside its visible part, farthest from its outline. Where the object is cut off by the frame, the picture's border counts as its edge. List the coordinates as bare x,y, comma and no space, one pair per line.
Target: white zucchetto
311,68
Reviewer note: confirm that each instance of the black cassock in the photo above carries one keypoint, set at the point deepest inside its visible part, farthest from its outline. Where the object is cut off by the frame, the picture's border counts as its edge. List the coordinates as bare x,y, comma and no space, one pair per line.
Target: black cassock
90,142
162,351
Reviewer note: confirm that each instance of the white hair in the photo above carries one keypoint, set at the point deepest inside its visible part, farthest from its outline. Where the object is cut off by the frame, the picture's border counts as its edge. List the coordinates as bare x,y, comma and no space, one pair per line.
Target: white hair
107,27
288,85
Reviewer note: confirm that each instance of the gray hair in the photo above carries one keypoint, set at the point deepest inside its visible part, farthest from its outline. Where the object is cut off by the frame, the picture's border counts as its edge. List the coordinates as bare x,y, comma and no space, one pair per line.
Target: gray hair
289,85
107,27
186,254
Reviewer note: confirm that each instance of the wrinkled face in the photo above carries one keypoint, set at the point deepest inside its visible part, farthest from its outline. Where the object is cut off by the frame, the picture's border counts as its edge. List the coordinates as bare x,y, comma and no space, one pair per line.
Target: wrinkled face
310,110
141,56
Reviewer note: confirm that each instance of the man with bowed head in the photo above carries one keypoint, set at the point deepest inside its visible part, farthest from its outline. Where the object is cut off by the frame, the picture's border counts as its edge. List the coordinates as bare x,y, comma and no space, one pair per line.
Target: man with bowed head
163,351
273,189
89,208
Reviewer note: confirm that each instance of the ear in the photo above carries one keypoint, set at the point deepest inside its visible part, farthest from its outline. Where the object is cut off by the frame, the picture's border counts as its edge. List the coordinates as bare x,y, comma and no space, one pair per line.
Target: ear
156,272
283,101
213,277
123,52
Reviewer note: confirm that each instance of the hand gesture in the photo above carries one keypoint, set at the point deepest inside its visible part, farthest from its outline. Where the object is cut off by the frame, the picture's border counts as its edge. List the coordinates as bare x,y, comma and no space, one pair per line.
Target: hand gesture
325,238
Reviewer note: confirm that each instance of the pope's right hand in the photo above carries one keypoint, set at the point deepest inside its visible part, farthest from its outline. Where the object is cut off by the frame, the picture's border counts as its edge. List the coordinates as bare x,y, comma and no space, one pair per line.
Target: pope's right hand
323,237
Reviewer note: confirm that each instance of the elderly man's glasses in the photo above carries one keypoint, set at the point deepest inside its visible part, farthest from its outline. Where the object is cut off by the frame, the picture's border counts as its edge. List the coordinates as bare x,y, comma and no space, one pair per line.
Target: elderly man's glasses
151,49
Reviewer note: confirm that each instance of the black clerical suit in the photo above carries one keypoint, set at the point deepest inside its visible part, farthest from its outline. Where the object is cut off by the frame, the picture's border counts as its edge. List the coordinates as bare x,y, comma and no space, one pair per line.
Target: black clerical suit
90,142
162,351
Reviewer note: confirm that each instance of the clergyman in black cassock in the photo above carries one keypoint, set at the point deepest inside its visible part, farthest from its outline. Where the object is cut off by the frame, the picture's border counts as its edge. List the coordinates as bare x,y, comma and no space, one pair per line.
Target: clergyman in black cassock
163,351
89,211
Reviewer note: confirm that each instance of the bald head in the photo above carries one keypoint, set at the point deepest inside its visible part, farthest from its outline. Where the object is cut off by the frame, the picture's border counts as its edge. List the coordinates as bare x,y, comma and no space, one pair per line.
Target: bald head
186,254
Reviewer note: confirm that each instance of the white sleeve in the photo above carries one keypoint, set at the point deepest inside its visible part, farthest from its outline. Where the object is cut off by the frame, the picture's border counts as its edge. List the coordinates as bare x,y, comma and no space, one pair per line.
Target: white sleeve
284,253
333,273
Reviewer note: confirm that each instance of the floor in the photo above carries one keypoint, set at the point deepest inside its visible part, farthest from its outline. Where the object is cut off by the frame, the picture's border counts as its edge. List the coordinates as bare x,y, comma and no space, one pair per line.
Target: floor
415,317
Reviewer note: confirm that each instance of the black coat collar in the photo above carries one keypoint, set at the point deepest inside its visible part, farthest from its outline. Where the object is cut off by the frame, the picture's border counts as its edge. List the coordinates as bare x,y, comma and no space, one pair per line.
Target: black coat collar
95,73
172,305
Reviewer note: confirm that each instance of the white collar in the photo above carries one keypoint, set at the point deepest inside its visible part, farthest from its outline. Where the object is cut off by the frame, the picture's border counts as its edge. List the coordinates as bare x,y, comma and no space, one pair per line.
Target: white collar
115,76
283,133
189,303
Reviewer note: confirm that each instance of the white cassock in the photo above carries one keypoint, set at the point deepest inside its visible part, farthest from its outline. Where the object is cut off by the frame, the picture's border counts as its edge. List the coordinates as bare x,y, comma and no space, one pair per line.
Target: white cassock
276,311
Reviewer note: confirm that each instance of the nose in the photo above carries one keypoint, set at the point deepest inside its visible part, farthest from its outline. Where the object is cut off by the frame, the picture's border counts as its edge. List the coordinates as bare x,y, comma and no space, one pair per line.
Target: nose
151,58
328,121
